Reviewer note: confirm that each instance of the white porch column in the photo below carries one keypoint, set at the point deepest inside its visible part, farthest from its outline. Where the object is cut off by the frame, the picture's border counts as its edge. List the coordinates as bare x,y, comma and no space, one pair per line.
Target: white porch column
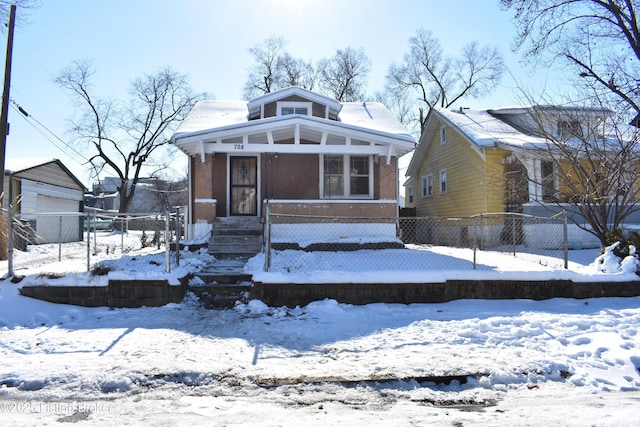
533,174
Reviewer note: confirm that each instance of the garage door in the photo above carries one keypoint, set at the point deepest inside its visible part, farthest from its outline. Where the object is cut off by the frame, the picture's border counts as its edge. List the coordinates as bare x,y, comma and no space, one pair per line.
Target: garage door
53,226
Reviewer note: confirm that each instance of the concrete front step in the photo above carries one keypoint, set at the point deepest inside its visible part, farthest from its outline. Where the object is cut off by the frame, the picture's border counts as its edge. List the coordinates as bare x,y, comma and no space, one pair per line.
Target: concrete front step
236,238
235,247
222,295
222,283
220,232
222,277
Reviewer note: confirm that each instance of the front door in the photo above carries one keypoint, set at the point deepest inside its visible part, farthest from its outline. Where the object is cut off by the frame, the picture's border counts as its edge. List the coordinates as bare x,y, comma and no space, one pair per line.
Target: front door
244,185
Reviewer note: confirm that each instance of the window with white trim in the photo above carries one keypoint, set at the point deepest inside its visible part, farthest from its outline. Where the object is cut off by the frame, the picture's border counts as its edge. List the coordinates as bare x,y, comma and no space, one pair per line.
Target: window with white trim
303,108
443,181
427,185
347,176
443,135
410,195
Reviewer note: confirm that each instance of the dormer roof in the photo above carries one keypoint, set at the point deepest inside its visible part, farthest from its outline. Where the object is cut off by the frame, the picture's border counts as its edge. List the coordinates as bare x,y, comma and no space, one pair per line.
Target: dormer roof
255,104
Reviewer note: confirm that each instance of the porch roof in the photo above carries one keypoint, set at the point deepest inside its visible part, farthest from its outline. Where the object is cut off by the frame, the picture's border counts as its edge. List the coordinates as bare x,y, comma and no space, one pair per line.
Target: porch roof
224,126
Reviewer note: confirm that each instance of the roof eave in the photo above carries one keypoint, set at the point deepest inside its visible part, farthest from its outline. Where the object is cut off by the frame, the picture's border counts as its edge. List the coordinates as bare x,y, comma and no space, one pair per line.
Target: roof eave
263,125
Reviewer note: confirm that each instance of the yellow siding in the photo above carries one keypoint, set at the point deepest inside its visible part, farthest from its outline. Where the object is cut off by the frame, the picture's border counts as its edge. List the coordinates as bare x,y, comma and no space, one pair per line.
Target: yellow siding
474,178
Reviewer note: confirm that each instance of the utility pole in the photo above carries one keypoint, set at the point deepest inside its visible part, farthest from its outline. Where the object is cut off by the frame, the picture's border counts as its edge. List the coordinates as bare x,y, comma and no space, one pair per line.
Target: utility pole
4,116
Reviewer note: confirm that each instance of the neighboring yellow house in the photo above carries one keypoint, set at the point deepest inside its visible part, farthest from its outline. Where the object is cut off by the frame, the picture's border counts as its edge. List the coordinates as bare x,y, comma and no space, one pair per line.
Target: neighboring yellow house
471,162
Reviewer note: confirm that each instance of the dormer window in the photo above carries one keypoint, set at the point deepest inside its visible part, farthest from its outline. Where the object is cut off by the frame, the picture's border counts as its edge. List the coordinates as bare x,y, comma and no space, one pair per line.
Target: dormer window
285,108
569,129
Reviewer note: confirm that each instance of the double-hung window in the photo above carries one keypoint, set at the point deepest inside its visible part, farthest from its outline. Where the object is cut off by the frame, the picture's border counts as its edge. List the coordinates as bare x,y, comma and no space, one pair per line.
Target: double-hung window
443,135
443,181
427,185
347,176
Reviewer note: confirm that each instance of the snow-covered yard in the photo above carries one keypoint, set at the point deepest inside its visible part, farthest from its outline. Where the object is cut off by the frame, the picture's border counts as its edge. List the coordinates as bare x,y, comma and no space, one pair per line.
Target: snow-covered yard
555,362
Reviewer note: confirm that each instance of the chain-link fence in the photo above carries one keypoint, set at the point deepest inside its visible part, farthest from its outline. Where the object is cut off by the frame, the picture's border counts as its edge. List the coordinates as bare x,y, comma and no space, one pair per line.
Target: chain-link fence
477,242
35,240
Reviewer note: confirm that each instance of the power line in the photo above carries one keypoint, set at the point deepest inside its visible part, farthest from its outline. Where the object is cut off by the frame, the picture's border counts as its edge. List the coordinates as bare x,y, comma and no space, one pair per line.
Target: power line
48,134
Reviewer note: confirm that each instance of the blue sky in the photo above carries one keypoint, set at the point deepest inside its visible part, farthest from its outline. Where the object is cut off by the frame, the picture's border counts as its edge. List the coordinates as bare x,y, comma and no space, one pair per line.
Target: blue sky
209,41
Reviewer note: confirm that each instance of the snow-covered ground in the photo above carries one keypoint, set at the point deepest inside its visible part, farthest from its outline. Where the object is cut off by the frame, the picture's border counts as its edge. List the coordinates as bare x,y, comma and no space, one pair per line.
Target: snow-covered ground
556,362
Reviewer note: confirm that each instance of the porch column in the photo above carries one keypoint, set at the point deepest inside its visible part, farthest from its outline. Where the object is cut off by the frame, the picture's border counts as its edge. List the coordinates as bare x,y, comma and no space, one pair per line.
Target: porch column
535,182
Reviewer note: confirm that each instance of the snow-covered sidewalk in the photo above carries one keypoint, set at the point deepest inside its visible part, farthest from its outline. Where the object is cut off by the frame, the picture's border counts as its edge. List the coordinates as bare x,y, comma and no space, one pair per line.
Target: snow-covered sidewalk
323,364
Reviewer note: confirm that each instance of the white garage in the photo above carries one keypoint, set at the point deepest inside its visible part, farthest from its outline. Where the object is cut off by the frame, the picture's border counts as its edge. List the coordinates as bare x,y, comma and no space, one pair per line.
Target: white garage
47,196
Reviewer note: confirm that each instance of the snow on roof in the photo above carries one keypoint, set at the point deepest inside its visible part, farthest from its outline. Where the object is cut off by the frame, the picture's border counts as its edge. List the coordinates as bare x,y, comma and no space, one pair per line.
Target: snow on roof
210,114
17,165
486,130
374,116
213,114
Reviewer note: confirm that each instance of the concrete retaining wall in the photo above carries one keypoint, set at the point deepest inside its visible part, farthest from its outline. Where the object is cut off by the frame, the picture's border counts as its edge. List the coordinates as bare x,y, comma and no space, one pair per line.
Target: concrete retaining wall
291,295
118,293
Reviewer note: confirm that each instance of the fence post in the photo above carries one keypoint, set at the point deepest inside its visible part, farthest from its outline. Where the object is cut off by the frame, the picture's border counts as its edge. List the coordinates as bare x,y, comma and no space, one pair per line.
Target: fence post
95,235
167,246
475,240
178,235
566,239
10,241
86,221
60,238
513,232
156,232
267,238
122,226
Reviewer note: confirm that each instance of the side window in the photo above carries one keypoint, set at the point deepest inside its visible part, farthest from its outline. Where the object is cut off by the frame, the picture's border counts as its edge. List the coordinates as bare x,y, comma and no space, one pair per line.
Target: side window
410,195
443,135
443,181
427,185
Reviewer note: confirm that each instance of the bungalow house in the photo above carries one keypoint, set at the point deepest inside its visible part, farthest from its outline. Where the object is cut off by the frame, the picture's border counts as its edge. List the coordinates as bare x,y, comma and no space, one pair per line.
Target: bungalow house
45,194
471,162
297,151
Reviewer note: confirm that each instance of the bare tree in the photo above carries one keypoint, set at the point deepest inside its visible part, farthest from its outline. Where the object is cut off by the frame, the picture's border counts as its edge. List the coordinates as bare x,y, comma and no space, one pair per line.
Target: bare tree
22,10
589,164
295,72
344,76
125,137
275,68
436,79
599,40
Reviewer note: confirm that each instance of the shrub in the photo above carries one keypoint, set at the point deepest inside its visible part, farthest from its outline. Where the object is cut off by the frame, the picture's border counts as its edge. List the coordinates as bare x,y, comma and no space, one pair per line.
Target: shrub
629,242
